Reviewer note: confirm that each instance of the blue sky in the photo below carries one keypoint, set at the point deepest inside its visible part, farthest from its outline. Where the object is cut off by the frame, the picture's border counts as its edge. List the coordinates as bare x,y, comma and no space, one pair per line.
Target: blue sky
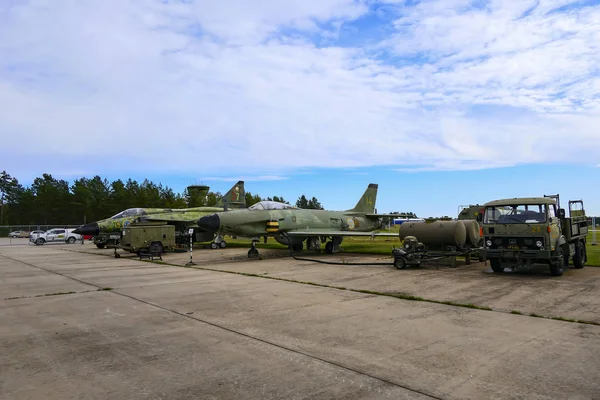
440,102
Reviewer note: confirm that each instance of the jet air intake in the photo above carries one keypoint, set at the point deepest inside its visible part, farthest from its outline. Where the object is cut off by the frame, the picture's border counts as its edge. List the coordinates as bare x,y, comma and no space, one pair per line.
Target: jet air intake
210,223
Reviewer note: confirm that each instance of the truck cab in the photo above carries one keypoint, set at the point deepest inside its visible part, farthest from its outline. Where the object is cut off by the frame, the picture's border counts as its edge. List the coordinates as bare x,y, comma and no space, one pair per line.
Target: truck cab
520,232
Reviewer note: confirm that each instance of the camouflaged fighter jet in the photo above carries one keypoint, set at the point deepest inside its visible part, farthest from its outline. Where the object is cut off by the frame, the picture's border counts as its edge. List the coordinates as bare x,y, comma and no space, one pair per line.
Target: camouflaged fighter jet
291,226
108,231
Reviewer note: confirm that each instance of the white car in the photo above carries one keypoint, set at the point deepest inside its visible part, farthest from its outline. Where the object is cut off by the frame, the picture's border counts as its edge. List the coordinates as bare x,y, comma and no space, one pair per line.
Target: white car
18,234
55,235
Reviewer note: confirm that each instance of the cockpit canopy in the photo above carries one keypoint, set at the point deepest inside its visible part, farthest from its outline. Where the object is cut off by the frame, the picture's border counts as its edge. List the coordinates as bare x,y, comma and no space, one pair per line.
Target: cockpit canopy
271,205
130,212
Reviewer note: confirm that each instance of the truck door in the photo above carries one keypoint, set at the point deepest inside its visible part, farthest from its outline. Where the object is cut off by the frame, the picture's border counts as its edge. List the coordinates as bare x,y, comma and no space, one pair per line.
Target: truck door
553,224
50,235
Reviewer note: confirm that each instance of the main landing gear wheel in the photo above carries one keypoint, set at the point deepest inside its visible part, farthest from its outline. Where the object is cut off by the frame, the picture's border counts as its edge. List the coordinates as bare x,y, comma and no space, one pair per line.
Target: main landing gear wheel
329,247
297,247
223,244
100,245
213,245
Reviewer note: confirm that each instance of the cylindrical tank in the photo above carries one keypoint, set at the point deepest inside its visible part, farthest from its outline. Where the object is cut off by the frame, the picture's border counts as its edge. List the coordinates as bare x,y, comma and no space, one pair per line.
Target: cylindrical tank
472,228
437,234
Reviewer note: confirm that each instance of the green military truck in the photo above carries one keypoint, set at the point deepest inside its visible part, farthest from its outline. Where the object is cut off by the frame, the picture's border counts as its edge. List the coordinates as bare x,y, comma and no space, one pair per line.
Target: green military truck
520,232
148,237
472,211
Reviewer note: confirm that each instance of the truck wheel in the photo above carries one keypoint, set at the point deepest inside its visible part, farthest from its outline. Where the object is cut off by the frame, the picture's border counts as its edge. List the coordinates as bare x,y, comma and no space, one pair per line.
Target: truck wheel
557,267
71,240
496,265
100,245
40,241
579,257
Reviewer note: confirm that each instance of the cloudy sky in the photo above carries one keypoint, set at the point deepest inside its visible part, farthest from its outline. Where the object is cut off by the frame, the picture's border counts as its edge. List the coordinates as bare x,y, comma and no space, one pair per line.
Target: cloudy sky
441,102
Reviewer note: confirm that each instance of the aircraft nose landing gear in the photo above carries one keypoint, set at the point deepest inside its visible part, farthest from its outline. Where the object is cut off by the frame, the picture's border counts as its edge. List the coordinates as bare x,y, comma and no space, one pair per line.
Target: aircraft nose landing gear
253,252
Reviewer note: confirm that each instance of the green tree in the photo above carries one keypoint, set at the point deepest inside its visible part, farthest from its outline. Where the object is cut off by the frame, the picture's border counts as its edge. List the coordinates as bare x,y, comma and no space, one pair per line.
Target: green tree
118,199
252,199
302,202
52,200
278,199
313,203
8,185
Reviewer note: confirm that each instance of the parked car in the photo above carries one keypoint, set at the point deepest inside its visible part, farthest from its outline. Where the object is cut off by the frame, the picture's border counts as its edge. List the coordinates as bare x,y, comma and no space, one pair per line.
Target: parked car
35,233
55,235
18,234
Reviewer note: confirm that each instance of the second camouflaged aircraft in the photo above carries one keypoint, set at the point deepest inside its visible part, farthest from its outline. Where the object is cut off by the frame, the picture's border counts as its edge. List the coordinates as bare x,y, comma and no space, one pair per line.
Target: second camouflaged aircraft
292,226
109,229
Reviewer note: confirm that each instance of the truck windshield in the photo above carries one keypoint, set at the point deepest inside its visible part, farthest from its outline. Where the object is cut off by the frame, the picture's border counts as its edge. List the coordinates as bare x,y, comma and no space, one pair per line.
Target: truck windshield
515,214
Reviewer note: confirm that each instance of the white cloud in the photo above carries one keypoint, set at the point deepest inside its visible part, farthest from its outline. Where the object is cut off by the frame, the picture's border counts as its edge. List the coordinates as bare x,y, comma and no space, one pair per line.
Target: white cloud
148,86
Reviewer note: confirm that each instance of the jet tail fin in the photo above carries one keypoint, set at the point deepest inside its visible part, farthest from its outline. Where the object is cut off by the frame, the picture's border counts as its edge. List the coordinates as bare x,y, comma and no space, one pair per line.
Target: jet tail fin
234,198
366,204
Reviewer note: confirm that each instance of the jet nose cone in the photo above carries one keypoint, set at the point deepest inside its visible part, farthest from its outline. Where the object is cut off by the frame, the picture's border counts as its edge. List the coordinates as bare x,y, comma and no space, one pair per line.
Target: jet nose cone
88,229
210,223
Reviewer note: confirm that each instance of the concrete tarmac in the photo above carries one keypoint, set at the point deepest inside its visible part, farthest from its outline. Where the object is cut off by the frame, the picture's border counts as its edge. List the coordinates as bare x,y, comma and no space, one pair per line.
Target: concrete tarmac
574,295
79,325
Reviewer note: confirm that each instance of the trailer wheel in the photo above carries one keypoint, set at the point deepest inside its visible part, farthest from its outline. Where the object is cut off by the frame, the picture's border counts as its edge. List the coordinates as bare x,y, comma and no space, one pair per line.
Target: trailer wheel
399,263
156,247
496,265
579,257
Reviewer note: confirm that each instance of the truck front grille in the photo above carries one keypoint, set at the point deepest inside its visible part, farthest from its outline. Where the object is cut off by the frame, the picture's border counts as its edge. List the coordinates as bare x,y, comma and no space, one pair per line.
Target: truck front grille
518,243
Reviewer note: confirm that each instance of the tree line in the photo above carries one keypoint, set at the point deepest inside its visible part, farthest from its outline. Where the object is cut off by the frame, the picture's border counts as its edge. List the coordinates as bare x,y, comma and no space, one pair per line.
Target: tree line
50,201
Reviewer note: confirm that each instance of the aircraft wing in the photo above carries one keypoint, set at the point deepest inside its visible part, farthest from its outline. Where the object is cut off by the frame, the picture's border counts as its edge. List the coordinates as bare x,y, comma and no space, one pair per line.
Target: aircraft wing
172,218
341,233
388,215
180,221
